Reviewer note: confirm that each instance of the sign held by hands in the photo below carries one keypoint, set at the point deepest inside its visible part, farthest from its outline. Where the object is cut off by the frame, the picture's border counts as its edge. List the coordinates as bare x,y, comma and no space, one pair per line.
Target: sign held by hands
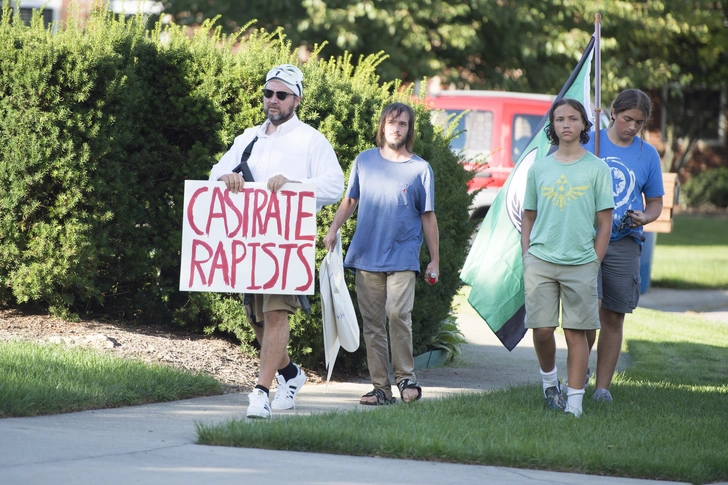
254,241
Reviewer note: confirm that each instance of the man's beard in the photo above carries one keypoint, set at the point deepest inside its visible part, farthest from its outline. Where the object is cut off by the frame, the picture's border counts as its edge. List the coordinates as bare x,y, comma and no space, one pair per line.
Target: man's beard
396,145
279,117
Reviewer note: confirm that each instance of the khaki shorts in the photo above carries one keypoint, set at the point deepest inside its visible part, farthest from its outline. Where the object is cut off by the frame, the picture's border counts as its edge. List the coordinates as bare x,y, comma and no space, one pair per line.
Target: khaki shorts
262,303
547,284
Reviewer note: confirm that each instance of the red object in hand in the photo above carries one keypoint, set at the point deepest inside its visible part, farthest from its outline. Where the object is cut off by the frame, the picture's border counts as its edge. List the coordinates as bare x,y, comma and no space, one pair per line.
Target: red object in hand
432,278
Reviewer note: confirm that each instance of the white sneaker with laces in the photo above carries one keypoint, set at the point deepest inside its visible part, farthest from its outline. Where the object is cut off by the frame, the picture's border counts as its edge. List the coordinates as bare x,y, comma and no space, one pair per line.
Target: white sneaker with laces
287,391
258,405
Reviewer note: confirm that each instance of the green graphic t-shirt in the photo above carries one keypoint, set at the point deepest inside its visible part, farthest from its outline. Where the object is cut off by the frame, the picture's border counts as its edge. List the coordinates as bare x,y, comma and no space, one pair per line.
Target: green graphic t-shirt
567,197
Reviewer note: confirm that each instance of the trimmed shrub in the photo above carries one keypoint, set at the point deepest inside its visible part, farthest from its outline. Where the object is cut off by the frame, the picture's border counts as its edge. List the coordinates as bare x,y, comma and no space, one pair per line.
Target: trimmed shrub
99,127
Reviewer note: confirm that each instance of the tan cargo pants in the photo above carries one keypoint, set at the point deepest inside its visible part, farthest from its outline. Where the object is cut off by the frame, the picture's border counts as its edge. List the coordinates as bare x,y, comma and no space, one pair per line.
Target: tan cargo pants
382,297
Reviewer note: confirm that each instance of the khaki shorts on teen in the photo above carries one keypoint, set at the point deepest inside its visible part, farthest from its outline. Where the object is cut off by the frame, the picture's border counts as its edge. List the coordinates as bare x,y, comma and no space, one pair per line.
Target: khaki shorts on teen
262,303
547,284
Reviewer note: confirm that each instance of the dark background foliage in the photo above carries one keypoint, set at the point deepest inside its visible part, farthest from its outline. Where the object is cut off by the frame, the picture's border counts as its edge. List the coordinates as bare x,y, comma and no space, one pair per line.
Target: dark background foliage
672,49
707,188
524,45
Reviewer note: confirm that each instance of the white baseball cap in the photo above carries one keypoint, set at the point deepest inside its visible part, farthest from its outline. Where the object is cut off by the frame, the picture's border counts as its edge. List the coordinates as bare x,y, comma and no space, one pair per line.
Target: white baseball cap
289,75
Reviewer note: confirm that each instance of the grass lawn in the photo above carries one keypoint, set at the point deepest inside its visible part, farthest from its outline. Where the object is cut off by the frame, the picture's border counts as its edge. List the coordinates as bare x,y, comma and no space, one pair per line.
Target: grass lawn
40,379
693,256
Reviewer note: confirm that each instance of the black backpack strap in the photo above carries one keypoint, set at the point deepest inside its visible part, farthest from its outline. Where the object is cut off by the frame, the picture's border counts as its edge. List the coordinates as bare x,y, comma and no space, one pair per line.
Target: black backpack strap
248,177
243,165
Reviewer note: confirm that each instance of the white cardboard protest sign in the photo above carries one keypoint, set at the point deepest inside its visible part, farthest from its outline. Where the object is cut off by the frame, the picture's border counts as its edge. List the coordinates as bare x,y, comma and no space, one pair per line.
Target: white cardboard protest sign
255,241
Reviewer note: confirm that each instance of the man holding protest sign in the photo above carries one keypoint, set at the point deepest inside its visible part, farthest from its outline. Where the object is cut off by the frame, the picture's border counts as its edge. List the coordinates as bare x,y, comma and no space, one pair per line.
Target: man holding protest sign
395,192
280,151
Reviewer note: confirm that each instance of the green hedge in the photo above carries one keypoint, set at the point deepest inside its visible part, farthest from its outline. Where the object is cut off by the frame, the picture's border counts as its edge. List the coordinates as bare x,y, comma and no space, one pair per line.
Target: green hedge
99,127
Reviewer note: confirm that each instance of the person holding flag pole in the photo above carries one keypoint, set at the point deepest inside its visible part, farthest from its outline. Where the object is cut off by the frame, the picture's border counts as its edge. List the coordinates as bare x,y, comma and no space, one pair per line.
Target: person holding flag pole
637,176
494,266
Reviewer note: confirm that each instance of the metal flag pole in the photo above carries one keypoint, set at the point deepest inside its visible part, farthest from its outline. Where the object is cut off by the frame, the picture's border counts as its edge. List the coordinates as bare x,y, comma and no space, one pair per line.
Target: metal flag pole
597,79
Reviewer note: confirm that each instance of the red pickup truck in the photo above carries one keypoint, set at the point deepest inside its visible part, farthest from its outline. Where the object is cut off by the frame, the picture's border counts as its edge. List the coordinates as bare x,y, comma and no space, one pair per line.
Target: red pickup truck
493,133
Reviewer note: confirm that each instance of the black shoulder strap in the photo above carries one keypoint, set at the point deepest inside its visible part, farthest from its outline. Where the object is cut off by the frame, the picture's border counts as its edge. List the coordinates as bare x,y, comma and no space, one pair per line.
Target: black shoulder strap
248,177
243,165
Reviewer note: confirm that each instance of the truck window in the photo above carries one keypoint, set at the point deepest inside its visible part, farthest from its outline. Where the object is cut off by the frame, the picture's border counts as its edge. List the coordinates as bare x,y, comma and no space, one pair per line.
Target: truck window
475,128
524,127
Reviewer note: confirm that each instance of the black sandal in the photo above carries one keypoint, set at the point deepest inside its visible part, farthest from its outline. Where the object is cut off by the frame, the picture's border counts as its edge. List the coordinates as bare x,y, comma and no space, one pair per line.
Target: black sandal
382,399
409,384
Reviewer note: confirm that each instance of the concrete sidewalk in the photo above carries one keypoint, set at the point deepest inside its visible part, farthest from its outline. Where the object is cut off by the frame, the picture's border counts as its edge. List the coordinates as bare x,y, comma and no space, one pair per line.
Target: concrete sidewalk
153,444
712,304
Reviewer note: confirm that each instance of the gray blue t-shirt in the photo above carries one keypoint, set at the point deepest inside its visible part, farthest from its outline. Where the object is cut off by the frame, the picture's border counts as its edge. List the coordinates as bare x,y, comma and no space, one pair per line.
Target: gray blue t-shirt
392,196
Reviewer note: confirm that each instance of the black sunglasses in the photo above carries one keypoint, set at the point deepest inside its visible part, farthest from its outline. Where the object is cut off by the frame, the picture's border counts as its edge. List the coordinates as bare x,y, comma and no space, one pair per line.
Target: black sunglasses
281,95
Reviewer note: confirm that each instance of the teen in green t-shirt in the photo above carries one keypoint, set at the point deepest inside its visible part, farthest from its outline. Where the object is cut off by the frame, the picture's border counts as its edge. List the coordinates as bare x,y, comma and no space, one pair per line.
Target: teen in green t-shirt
567,221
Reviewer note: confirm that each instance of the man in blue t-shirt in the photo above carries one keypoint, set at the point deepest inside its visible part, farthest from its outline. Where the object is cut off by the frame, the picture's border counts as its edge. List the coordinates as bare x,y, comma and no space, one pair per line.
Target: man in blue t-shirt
394,191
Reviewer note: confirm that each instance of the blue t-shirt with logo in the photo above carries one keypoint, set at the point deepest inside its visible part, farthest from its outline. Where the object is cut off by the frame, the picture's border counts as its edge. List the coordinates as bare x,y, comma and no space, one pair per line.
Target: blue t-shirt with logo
392,196
636,170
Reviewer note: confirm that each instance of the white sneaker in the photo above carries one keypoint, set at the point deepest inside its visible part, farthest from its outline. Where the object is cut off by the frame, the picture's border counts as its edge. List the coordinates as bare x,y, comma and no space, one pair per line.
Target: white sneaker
258,405
287,391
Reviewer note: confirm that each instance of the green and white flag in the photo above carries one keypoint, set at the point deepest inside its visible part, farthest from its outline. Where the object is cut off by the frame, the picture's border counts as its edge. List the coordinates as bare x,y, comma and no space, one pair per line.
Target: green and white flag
494,267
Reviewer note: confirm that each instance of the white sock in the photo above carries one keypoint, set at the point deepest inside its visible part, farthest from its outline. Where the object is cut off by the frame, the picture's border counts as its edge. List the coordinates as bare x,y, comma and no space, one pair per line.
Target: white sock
549,379
574,398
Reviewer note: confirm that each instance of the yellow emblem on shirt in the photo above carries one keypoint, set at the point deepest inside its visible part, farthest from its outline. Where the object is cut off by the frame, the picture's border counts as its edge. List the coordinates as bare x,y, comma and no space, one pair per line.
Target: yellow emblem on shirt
562,193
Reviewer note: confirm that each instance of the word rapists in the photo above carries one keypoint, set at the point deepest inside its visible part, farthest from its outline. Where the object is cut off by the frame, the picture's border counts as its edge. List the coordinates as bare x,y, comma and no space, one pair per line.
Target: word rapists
255,241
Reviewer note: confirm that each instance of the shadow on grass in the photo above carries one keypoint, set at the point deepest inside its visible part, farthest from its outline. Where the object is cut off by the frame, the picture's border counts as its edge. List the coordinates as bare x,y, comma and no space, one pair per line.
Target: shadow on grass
681,284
